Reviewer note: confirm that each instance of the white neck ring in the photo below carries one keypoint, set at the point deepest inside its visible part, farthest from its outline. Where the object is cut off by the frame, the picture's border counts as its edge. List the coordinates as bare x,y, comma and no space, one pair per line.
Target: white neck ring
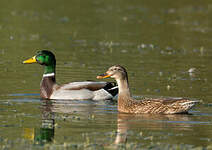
49,75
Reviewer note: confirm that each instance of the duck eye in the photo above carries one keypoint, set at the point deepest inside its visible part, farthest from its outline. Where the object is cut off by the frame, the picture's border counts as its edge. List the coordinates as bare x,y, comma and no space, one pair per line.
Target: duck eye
40,59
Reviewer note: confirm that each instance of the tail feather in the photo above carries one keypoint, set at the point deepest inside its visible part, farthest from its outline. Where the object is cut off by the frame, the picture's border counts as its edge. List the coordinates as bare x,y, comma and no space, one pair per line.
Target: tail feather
106,93
111,88
180,106
186,106
189,103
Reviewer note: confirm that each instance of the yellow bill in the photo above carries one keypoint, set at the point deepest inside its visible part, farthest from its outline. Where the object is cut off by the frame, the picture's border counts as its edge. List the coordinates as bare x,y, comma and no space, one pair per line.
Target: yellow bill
30,60
102,76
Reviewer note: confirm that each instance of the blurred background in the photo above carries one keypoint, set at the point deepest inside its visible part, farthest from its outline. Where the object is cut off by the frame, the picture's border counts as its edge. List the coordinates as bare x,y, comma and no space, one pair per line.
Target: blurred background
164,45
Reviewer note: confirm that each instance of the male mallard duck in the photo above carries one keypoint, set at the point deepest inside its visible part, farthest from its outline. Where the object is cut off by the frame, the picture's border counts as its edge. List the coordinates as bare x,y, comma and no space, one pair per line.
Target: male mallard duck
128,105
49,89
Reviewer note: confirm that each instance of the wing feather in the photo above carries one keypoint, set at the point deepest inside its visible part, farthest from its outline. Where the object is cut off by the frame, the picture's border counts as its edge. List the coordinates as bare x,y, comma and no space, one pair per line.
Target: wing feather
93,86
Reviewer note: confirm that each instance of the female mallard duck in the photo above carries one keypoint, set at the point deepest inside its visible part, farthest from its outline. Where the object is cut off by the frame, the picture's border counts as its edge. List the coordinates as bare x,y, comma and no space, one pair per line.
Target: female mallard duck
49,89
128,105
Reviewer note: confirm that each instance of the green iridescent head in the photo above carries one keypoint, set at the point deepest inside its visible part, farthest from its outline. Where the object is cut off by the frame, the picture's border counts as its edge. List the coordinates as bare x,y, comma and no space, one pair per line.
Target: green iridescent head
45,58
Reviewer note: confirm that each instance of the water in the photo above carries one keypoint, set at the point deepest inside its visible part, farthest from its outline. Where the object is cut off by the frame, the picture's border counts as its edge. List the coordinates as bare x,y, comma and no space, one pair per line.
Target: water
157,41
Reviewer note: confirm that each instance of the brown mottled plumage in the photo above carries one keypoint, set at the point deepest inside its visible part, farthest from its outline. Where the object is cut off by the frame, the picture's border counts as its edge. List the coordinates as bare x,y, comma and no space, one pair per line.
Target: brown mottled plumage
128,105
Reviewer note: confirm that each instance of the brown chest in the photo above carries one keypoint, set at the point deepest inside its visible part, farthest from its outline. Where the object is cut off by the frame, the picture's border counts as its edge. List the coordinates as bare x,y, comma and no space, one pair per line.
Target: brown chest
46,87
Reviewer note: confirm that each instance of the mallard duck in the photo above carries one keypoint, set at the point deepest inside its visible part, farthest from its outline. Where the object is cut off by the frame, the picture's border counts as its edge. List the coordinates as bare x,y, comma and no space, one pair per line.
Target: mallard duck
49,89
127,104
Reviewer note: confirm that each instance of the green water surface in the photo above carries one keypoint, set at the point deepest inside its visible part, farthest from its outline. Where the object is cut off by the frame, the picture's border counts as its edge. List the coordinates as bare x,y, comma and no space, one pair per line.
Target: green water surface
157,41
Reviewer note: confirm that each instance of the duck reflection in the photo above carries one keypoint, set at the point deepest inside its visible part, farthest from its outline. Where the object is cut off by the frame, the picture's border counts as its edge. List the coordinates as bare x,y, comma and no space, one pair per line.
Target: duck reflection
46,132
126,122
67,107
